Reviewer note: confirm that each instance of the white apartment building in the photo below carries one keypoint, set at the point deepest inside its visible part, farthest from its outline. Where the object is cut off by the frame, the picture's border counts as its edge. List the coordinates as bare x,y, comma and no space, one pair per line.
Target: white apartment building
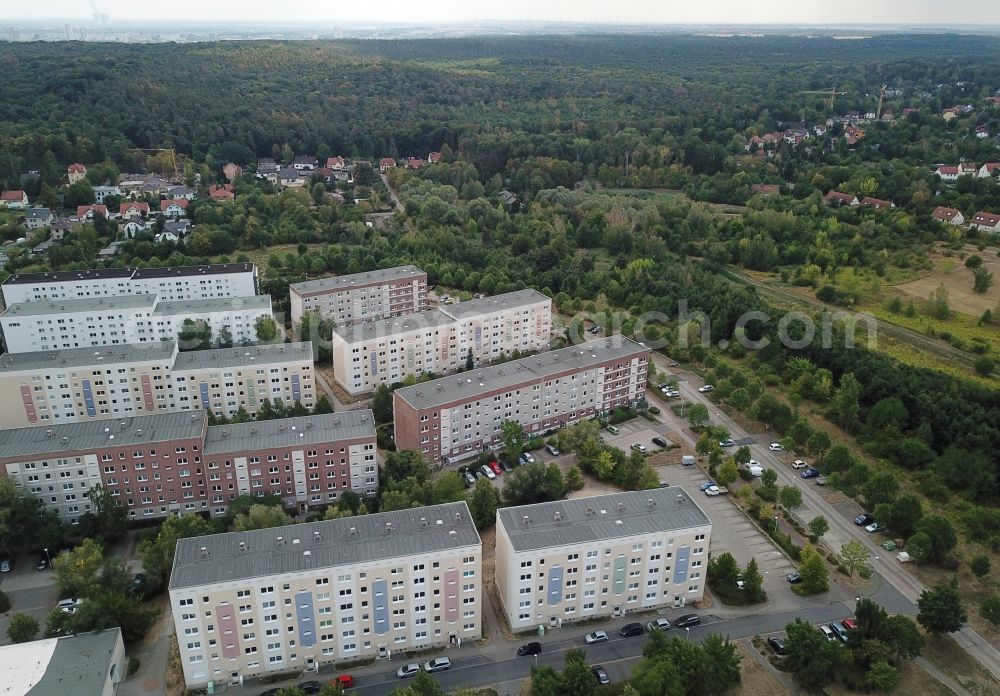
77,384
351,299
247,604
457,417
94,663
440,340
602,556
53,324
169,284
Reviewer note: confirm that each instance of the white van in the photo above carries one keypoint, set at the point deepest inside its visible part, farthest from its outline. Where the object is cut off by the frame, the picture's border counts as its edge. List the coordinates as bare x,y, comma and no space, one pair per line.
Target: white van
687,460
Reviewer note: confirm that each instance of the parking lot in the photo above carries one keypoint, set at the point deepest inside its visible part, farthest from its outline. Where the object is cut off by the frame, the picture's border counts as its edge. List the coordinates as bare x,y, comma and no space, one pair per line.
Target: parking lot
639,431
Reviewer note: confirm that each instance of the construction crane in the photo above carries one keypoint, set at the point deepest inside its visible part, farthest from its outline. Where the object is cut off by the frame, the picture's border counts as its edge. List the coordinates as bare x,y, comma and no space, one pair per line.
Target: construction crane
881,98
832,91
173,157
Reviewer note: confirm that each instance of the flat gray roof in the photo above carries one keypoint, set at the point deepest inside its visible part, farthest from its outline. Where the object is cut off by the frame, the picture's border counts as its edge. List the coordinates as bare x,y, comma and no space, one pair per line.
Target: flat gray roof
181,271
223,358
212,304
40,441
483,305
358,333
366,538
127,272
285,432
93,304
70,358
80,663
470,384
346,282
600,518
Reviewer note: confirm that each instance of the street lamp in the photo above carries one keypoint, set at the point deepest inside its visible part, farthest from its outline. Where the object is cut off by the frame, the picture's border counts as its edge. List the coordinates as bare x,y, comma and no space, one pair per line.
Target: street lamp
687,633
48,559
775,524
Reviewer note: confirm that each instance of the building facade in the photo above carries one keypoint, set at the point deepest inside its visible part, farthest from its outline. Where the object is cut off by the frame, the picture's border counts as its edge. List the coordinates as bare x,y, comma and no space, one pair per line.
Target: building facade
271,600
174,463
79,384
169,284
457,417
352,299
602,556
54,324
440,340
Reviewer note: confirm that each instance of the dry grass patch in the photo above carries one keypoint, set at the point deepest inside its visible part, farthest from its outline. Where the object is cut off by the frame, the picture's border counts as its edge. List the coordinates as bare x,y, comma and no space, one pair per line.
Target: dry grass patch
947,656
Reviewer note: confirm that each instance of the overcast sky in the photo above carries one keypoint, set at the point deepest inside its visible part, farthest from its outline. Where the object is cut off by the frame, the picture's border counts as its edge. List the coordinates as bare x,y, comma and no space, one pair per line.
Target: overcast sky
624,11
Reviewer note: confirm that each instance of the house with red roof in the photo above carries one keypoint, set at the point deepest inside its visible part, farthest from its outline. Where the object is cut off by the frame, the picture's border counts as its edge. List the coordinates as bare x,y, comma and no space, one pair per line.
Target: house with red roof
434,157
989,169
336,163
85,213
386,163
986,221
948,215
15,200
76,172
876,203
840,198
133,209
414,163
947,173
231,171
221,193
995,101
967,169
174,208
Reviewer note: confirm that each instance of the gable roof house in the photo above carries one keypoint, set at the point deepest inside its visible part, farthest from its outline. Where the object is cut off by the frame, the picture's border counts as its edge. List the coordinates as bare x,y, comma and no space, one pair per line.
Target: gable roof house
85,213
267,169
133,209
434,157
76,172
59,228
840,198
291,178
386,163
414,163
989,169
182,192
967,169
36,218
986,221
231,171
15,200
133,226
305,163
947,173
179,227
102,192
176,208
154,184
948,215
336,163
166,236
221,193
876,203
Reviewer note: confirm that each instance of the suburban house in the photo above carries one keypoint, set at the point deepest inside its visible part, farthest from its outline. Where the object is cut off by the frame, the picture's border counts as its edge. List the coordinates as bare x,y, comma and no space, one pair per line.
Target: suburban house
989,169
59,228
967,169
336,163
982,132
434,157
950,114
133,210
267,169
36,218
133,226
986,221
876,203
102,192
840,198
221,193
85,213
231,171
509,199
765,189
947,173
176,208
15,200
166,236
179,227
184,192
386,163
948,215
76,172
305,163
291,178
154,185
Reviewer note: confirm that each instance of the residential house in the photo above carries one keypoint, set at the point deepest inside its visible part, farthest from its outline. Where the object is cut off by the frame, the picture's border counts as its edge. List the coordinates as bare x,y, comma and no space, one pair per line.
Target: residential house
982,132
305,163
110,251
130,183
841,198
37,218
876,203
889,117
231,171
950,114
986,221
85,213
948,215
336,163
179,227
221,193
386,163
154,185
60,227
132,227
509,199
94,663
434,157
14,200
765,189
852,134
174,209
166,236
267,169
995,101
102,192
967,169
133,210
291,178
183,192
43,247
947,173
76,172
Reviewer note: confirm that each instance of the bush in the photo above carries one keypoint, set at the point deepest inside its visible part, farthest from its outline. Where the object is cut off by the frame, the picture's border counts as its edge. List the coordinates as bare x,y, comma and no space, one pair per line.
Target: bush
621,415
4,603
654,410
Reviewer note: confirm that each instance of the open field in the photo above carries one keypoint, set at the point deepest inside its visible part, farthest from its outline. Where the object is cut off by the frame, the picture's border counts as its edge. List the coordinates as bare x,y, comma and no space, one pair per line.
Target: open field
952,273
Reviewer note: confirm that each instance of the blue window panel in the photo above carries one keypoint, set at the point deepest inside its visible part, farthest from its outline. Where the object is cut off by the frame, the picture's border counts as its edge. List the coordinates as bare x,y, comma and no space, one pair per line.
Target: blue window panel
204,396
479,337
374,359
619,575
681,564
555,586
304,617
295,387
380,592
88,398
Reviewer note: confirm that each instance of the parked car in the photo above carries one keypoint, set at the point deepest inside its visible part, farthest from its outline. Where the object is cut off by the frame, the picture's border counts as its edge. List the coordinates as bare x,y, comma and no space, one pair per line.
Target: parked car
410,669
810,473
659,442
875,527
728,442
552,449
138,583
600,674
793,578
310,687
776,447
69,606
595,329
470,478
6,564
705,486
438,664
839,631
863,519
526,458
496,467
713,491
43,562
687,621
664,484
505,465
596,637
630,629
346,681
799,464
658,625
487,472
777,645
827,633
613,429
533,648
638,447
850,624
706,389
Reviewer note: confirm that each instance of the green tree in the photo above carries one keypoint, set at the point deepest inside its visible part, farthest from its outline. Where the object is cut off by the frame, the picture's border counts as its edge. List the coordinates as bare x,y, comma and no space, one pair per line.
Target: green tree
919,547
818,526
721,670
940,608
78,571
753,582
989,609
22,628
107,520
818,443
157,554
941,534
723,570
811,658
532,483
382,404
984,365
790,497
574,478
902,636
266,329
260,517
904,513
800,432
844,406
513,438
697,416
604,465
483,503
938,303
980,565
982,280
880,488
576,678
727,473
854,556
883,676
812,569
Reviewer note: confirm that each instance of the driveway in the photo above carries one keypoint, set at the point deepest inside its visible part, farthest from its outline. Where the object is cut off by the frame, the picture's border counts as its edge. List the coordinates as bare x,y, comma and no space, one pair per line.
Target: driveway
30,592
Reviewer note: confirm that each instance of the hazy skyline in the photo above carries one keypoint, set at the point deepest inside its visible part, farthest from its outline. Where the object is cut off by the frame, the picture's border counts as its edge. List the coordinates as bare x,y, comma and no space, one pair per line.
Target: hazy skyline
983,12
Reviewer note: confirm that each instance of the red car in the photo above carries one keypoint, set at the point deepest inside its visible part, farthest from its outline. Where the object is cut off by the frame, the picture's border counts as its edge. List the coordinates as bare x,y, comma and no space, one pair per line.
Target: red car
346,681
849,624
496,467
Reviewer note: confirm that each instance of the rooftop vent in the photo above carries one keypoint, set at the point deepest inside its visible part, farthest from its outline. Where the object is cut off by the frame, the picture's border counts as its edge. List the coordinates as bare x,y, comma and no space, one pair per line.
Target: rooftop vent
64,439
388,527
243,546
589,511
295,541
680,498
526,520
557,516
423,521
281,541
650,503
458,516
48,433
621,507
317,536
354,531
307,553
204,551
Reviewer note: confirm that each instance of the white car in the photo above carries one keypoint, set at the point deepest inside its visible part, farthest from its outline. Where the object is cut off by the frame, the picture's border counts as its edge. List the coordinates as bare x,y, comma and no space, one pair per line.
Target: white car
488,472
408,670
799,464
706,389
712,491
776,447
638,447
69,606
596,637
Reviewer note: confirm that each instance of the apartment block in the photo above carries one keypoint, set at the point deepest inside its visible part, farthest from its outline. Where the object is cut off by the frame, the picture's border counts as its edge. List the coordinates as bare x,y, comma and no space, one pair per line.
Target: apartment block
79,384
94,663
172,283
457,417
602,556
247,604
80,323
352,299
174,463
440,340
